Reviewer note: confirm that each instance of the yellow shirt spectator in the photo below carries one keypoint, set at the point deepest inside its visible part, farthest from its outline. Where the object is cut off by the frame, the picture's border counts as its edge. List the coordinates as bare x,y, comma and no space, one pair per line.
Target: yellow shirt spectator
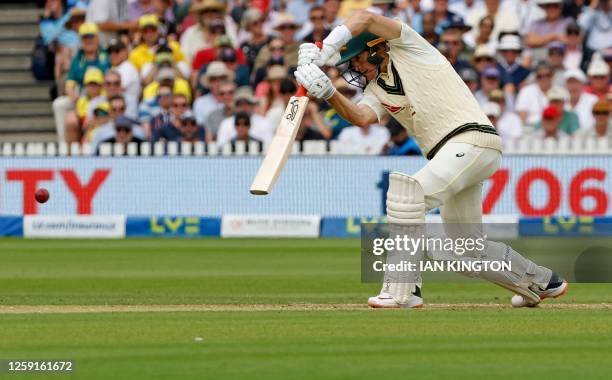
181,86
144,54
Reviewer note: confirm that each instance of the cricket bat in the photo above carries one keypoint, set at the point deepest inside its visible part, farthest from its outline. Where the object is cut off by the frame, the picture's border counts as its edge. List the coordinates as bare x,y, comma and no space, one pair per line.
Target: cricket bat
281,144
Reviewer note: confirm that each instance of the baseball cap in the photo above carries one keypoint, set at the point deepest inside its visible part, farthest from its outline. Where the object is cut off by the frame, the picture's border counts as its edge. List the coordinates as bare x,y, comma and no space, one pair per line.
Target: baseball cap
575,74
165,73
93,75
244,93
491,109
116,44
88,29
556,45
188,116
483,51
124,122
497,95
601,106
101,109
556,93
148,20
358,44
468,75
510,42
456,22
550,112
491,71
598,68
228,55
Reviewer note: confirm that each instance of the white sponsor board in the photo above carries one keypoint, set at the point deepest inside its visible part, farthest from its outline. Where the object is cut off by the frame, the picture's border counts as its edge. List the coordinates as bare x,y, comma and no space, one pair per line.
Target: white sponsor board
270,226
79,226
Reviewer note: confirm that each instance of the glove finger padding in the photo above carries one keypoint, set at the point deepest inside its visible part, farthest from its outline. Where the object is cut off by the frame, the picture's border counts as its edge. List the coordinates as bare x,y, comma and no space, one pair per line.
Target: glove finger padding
315,81
308,54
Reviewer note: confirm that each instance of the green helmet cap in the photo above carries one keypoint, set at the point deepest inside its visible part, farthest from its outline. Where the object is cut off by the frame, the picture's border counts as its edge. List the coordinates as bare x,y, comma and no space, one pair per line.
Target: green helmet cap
358,44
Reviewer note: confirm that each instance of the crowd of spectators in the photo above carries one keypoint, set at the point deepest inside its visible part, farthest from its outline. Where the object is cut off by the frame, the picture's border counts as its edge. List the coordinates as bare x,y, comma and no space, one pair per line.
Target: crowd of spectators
222,71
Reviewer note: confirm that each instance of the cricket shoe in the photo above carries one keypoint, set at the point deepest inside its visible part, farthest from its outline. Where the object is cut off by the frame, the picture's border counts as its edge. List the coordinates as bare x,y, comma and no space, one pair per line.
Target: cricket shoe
556,287
385,301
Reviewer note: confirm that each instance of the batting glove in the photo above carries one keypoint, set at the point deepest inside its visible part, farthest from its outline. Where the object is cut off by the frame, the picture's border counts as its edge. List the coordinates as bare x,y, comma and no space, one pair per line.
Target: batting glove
310,53
315,81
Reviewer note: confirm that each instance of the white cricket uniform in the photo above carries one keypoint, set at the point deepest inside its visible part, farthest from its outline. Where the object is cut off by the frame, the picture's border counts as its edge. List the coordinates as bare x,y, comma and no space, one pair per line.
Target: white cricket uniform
422,91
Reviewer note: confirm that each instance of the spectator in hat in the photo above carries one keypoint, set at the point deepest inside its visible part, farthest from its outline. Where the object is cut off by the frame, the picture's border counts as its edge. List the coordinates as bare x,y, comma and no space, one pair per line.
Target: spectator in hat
130,80
568,121
167,76
493,112
90,55
531,99
212,123
508,123
556,55
171,130
573,47
490,79
599,79
484,57
245,102
101,117
471,79
163,9
551,28
549,126
255,38
602,127
510,66
151,41
276,48
286,26
400,143
189,129
269,92
124,134
75,120
331,118
442,15
454,47
242,126
111,17
216,73
596,21
201,35
579,101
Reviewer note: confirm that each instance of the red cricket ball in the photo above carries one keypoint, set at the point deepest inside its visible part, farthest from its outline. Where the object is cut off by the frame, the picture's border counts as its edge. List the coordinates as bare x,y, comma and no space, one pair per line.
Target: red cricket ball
41,195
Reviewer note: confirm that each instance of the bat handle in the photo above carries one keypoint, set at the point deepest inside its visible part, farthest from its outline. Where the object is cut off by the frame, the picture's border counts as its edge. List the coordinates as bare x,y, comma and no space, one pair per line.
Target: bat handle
301,91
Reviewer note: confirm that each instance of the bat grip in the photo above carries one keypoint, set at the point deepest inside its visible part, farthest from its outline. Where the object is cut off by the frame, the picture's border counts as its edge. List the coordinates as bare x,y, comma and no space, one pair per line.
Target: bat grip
301,91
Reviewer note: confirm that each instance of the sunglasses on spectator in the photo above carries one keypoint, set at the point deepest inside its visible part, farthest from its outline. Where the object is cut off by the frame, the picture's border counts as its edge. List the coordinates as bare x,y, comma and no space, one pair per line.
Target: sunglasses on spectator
317,18
491,77
451,42
485,59
123,129
543,76
277,48
556,5
601,113
114,50
242,103
179,105
286,27
118,109
112,83
223,93
598,76
243,124
190,123
164,94
100,113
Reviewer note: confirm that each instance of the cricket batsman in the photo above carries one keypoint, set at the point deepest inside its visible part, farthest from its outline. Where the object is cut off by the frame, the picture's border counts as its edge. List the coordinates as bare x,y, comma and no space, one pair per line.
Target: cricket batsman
406,77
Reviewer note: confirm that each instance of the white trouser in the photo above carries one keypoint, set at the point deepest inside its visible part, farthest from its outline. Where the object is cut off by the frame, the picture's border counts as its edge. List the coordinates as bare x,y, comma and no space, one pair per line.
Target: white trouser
61,106
453,180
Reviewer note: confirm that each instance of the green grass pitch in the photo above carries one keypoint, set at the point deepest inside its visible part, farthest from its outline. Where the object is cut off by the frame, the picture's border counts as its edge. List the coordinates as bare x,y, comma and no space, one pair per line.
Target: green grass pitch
55,297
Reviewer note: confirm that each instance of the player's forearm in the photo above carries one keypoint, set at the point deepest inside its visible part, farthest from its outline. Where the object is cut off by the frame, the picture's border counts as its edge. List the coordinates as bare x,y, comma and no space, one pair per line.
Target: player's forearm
349,111
382,26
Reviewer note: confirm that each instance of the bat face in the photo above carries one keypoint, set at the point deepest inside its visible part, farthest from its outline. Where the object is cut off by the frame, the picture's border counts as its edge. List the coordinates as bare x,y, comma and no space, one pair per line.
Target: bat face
280,146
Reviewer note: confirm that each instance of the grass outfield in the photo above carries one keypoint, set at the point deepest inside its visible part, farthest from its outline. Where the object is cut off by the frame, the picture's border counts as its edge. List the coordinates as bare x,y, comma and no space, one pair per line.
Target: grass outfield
272,309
